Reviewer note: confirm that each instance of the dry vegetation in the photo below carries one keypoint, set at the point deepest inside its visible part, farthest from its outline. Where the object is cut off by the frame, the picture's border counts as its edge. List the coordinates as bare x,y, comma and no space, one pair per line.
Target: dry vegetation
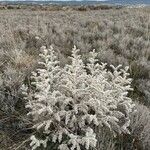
120,36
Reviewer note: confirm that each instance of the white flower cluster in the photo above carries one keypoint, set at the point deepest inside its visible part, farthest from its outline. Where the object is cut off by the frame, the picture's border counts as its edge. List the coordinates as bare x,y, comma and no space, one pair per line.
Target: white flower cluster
68,103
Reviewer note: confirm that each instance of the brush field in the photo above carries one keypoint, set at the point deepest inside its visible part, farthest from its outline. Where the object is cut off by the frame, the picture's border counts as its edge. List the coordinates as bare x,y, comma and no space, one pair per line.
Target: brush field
119,35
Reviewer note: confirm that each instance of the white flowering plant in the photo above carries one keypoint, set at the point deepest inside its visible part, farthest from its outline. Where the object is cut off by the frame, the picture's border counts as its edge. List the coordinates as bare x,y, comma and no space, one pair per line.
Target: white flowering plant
68,103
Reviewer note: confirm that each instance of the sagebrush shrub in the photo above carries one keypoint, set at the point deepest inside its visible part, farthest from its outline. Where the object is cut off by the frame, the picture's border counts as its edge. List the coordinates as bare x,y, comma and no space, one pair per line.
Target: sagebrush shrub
67,103
140,126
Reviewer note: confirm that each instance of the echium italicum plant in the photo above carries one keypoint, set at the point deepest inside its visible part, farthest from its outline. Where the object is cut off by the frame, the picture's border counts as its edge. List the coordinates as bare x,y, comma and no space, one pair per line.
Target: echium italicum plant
68,103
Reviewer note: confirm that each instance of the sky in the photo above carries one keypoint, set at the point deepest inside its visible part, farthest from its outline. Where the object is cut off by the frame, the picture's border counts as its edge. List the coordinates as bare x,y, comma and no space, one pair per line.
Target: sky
53,0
